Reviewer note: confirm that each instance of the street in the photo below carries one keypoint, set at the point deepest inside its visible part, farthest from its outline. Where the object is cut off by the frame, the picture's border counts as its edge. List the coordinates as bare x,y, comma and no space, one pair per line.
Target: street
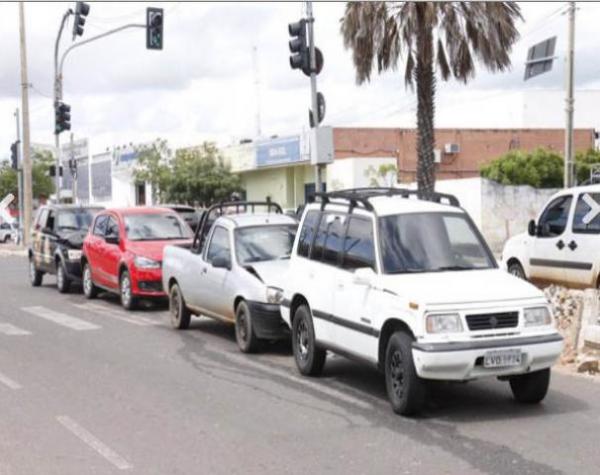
95,389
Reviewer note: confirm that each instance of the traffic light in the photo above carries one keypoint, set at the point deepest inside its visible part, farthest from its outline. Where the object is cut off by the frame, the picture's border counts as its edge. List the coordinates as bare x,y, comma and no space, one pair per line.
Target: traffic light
62,114
154,28
300,58
82,10
14,155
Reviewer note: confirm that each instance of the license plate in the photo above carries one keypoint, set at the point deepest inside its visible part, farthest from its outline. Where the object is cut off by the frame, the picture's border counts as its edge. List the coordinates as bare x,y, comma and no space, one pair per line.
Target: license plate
501,358
74,254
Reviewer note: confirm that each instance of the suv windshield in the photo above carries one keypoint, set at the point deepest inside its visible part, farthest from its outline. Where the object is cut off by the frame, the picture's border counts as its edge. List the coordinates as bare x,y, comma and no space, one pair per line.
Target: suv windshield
264,243
75,219
431,242
155,227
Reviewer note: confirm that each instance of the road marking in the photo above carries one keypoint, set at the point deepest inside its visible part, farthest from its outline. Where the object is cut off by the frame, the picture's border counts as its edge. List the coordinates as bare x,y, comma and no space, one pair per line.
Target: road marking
334,393
61,318
93,442
118,314
9,382
9,329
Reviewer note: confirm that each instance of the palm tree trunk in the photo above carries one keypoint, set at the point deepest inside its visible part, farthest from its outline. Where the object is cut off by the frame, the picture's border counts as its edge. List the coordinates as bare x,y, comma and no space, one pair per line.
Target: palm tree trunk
425,79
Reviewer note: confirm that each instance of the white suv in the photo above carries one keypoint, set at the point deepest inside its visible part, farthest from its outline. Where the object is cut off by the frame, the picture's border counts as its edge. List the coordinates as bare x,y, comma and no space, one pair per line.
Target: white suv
561,246
411,287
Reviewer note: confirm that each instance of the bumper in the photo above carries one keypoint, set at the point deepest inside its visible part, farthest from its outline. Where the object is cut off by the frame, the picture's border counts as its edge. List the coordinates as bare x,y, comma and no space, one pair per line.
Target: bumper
147,282
267,321
73,269
464,360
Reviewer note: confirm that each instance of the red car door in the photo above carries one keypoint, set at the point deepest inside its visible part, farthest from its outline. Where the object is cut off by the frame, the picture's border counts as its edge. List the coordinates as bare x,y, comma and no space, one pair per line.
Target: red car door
111,252
93,248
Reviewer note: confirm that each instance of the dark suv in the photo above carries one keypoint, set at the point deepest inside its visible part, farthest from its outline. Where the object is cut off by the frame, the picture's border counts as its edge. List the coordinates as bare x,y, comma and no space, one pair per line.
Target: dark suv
56,241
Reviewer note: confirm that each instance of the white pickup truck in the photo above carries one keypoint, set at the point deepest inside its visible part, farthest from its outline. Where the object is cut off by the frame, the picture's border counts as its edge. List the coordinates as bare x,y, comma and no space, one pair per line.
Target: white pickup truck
233,271
411,287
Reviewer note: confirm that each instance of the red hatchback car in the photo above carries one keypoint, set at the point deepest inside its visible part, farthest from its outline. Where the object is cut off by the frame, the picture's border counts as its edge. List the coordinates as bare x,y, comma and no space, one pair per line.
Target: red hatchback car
122,252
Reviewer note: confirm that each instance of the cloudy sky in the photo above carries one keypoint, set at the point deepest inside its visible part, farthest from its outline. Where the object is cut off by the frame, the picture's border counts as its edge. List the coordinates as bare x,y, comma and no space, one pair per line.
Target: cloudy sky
203,84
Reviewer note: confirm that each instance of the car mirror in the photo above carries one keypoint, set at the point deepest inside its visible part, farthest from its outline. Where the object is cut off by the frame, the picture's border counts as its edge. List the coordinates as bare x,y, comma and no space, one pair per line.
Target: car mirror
221,262
364,276
111,239
532,228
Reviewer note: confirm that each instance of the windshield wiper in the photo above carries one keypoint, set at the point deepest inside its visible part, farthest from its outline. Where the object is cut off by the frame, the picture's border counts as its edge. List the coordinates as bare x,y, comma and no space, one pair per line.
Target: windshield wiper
443,268
408,271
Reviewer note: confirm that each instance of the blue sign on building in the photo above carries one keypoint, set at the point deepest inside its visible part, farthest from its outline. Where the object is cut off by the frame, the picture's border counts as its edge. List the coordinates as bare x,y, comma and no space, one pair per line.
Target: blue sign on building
280,151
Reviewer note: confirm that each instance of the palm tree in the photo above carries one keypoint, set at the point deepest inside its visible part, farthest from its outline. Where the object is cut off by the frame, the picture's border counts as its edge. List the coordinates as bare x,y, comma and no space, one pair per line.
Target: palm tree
449,35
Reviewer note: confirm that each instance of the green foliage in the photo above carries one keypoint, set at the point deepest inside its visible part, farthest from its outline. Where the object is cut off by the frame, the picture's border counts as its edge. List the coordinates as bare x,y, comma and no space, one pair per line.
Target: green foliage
43,185
541,168
195,176
384,175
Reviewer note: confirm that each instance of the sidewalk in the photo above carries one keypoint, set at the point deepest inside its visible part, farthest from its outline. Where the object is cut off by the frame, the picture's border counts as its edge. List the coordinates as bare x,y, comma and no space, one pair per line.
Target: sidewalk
11,249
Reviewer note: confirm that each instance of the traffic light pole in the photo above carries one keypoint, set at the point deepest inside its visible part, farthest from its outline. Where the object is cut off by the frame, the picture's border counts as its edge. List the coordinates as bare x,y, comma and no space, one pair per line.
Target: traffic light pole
570,101
313,88
27,180
19,176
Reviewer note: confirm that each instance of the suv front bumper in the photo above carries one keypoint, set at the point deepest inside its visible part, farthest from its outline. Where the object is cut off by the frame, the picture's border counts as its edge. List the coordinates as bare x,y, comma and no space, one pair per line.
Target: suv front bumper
462,361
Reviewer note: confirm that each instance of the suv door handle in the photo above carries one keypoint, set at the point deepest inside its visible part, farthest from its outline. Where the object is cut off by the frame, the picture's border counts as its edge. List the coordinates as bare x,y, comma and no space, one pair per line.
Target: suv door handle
560,244
572,245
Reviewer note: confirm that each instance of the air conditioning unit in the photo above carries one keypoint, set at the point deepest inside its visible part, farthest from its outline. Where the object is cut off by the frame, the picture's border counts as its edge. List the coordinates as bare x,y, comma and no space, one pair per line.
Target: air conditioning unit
437,155
451,148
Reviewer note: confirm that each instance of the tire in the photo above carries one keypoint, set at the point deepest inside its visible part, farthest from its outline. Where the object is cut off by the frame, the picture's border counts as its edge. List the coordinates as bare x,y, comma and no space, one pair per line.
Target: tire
63,283
309,358
406,391
6,238
128,300
89,289
35,276
530,388
516,269
180,314
245,336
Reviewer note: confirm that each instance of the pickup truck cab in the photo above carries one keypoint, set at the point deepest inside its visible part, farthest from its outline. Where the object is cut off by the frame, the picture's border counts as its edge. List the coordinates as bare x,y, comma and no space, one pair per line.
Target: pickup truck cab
56,241
561,245
233,272
411,287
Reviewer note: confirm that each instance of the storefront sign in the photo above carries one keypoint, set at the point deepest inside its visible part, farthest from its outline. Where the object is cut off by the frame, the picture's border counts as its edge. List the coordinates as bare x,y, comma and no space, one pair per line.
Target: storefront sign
281,151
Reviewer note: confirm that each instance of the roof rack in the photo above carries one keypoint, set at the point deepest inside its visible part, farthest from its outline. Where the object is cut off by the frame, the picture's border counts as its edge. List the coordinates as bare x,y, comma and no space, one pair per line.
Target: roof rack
218,209
361,196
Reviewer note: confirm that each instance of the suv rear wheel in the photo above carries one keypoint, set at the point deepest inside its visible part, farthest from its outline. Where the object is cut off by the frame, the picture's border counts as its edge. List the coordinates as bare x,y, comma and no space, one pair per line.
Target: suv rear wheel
180,314
309,358
35,276
128,300
89,289
246,339
406,391
63,283
530,388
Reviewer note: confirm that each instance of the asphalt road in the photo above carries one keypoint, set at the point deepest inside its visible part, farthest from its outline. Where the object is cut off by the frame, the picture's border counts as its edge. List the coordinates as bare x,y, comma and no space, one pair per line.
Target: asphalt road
89,388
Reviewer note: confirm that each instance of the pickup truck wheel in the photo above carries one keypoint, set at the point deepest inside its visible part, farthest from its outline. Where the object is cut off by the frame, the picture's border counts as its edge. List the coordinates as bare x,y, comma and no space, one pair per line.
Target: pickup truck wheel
180,314
406,391
309,358
89,289
128,300
35,276
530,388
63,283
245,336
516,269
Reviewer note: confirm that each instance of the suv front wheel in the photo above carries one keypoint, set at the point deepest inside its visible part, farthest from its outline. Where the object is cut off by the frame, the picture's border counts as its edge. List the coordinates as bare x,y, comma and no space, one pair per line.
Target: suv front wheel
406,391
309,358
35,276
63,283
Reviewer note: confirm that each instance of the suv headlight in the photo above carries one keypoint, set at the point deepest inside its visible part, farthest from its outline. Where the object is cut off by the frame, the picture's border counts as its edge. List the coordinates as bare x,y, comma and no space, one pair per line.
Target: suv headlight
537,316
145,263
444,323
274,295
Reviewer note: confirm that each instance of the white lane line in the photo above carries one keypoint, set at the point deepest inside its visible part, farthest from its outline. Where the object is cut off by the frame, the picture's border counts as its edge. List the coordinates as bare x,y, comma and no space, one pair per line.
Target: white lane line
60,318
8,329
118,314
93,442
334,393
9,382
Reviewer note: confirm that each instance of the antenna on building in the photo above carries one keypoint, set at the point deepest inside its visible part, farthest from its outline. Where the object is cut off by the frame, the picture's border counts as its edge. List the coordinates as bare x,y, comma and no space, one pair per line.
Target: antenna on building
257,88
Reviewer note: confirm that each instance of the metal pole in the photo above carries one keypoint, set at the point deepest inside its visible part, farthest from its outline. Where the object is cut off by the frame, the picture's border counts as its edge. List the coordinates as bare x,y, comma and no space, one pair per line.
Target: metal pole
19,175
73,171
313,87
570,101
27,185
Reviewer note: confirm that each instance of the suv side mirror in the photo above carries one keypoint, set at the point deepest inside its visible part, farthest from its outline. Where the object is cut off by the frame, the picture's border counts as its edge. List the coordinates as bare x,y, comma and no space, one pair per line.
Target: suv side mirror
532,228
111,239
221,262
364,276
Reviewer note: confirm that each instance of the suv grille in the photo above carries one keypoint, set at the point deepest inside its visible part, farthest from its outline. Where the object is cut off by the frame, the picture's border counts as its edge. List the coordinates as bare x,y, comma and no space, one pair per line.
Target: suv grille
491,321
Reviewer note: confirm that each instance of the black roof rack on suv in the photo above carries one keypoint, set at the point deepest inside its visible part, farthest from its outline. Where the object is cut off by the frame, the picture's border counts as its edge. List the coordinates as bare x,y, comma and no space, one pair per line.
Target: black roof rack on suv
218,210
361,196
